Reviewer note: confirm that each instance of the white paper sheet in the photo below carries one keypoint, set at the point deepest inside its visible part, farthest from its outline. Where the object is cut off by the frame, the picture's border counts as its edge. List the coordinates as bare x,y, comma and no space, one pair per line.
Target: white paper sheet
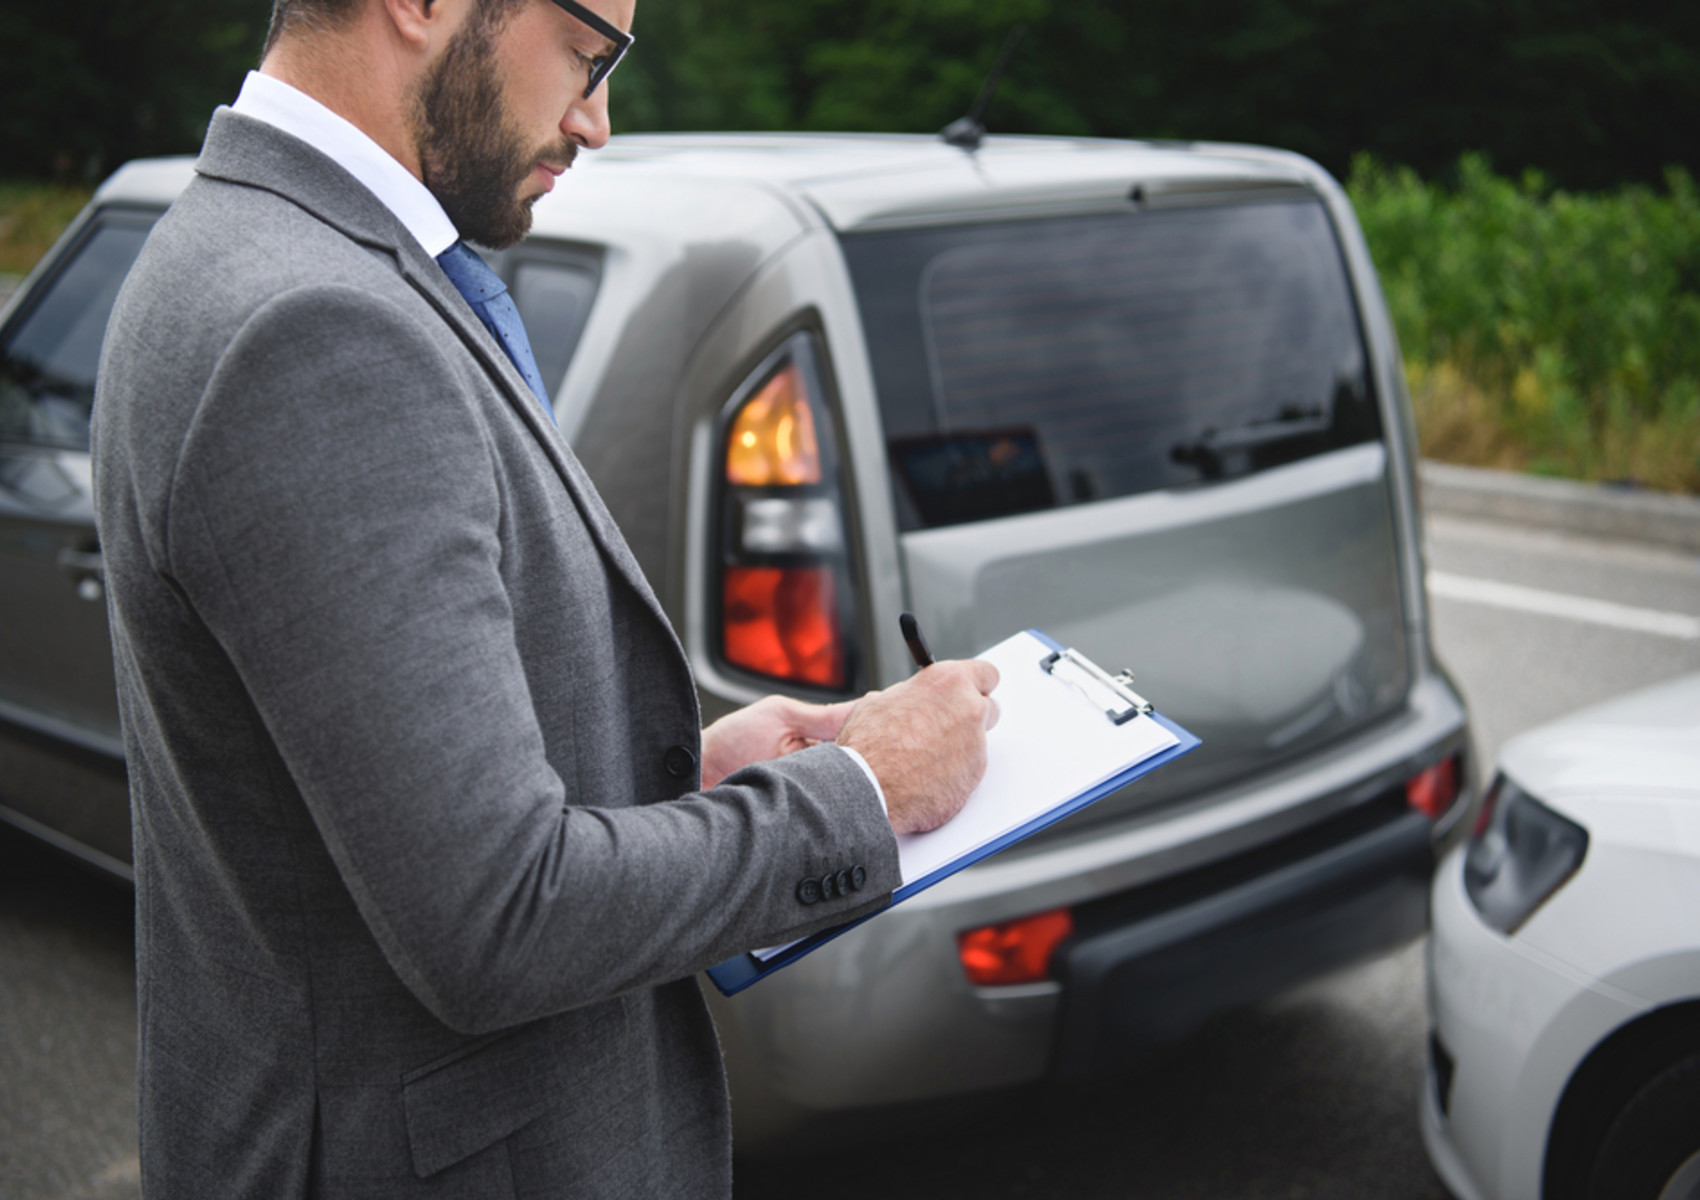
1050,744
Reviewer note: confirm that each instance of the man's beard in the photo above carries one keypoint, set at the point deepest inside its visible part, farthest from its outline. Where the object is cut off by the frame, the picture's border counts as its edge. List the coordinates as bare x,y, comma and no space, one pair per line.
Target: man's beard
471,155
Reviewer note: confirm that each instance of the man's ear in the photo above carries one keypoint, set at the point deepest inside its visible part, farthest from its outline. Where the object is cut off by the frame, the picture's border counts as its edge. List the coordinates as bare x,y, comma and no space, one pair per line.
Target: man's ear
419,23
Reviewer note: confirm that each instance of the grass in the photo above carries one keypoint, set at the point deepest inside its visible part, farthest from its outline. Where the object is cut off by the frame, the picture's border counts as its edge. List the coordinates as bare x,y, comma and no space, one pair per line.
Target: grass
1543,330
32,215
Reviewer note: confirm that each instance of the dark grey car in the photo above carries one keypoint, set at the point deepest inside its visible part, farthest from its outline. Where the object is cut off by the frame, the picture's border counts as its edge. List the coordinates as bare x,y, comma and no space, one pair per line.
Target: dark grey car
1145,398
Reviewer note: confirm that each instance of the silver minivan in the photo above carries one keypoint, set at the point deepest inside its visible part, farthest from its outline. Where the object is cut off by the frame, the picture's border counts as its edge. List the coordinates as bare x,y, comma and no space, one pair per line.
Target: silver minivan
1145,397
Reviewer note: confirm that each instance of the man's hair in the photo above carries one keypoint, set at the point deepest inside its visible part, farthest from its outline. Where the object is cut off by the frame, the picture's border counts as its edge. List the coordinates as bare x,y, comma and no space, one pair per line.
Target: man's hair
300,16
305,16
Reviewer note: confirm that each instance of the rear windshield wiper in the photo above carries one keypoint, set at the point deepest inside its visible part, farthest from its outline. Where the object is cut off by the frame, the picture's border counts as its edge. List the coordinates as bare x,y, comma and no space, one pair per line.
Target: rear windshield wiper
1215,450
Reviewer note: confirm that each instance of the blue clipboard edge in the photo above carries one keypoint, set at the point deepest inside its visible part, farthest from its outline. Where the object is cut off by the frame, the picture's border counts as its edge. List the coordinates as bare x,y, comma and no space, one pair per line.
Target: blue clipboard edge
740,971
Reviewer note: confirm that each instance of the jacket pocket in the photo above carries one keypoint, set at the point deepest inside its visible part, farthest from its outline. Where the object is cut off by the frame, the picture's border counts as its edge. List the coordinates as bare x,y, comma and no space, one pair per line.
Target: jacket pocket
486,1090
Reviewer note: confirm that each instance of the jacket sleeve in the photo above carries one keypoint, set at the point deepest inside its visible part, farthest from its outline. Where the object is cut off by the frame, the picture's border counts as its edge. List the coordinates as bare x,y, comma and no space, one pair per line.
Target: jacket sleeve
334,521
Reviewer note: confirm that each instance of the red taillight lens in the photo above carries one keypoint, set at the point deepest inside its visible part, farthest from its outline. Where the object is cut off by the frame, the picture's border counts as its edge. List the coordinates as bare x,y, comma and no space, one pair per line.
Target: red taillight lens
786,592
783,621
1432,791
1014,951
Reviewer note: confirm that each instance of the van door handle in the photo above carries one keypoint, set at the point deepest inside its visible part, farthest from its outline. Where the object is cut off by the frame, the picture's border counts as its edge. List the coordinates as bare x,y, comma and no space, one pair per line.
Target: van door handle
88,568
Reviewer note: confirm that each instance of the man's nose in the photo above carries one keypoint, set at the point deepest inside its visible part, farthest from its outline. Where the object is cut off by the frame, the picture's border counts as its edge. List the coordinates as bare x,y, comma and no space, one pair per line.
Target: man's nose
586,121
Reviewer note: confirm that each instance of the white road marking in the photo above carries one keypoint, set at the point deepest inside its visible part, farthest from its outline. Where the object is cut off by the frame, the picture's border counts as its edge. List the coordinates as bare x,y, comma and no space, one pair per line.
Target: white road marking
1561,604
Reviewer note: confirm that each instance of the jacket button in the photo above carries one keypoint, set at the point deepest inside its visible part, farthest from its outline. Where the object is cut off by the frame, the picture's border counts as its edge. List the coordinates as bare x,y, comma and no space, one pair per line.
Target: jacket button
680,762
829,886
808,891
841,883
858,877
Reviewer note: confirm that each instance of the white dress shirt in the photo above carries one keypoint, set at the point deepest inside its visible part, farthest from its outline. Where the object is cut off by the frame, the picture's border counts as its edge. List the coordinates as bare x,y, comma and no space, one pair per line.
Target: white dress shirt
298,114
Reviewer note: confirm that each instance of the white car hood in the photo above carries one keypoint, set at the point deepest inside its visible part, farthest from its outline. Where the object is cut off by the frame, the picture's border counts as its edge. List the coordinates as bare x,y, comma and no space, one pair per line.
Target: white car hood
1643,746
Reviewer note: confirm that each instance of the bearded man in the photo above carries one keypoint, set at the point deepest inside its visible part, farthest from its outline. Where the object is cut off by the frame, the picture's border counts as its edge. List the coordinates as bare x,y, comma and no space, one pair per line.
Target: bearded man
429,841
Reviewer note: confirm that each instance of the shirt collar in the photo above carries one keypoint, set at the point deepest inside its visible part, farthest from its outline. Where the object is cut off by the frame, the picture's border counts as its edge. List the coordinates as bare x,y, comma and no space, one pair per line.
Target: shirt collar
275,102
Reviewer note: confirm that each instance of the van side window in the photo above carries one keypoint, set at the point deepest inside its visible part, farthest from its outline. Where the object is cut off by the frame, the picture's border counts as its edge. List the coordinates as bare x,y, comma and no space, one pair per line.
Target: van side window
1026,365
49,354
553,296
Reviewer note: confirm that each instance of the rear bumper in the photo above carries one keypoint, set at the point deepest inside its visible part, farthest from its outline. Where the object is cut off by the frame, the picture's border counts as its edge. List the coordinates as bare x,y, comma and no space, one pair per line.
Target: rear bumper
1146,972
885,1016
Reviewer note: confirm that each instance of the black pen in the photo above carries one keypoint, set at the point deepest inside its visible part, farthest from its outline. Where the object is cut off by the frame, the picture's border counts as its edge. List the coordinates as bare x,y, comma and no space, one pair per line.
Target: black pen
917,645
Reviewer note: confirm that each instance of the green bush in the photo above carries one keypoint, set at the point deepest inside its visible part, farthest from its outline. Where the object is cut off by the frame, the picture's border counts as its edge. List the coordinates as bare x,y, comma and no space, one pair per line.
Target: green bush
1543,329
32,215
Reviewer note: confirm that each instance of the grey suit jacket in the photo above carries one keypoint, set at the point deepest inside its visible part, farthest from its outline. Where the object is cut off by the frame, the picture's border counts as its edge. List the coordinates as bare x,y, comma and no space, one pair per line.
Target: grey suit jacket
418,896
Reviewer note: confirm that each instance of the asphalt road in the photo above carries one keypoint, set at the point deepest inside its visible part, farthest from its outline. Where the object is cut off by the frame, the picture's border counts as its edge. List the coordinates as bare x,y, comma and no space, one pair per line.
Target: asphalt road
1312,1095
67,1029
1519,667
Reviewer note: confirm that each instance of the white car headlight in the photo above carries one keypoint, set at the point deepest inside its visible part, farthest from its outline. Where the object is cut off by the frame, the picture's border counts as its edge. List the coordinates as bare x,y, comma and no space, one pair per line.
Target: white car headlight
1521,853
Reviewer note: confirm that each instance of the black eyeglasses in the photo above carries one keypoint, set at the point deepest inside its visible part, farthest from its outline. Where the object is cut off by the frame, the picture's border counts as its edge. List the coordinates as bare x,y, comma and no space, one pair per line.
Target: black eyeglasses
603,65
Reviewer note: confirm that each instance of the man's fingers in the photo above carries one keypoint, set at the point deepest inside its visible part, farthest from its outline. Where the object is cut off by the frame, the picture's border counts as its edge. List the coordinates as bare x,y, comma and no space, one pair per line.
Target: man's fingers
992,712
985,677
951,673
820,722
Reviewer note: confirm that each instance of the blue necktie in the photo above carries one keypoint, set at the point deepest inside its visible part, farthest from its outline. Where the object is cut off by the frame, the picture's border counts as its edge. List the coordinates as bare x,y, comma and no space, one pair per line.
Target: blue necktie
489,298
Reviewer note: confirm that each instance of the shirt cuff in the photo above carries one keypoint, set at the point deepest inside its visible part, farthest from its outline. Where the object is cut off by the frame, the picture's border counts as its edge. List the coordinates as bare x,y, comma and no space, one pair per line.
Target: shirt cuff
856,757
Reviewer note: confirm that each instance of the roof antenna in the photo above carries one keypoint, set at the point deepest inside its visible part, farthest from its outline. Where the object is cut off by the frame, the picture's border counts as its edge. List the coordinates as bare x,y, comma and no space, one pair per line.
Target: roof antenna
968,132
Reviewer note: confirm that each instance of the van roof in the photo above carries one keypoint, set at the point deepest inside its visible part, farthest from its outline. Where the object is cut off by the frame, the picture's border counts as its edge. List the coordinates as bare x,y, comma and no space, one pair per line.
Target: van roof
869,181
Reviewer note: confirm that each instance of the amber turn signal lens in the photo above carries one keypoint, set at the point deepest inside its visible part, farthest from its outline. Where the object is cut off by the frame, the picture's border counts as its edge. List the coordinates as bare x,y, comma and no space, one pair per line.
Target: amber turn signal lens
773,442
783,622
1014,951
1432,791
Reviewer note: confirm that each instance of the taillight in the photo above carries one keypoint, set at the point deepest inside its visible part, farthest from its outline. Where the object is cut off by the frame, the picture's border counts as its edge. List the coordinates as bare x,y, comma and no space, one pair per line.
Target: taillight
773,440
787,599
779,621
1432,791
1013,951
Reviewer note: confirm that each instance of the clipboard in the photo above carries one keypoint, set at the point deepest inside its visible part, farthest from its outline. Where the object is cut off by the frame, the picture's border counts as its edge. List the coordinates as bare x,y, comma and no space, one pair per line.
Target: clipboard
1069,718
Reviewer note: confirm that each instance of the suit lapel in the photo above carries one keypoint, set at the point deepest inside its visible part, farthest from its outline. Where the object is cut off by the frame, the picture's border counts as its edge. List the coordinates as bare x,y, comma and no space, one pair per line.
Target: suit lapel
428,278
241,150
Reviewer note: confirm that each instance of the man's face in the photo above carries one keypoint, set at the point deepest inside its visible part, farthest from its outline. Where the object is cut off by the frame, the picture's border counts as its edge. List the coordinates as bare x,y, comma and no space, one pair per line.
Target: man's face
502,112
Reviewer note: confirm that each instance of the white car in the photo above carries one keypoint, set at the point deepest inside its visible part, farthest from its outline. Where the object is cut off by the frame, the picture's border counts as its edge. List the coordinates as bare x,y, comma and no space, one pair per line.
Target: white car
1564,965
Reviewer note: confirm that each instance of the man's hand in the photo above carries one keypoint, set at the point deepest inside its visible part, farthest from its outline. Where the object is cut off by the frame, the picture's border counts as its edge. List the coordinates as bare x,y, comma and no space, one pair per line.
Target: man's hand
925,739
772,727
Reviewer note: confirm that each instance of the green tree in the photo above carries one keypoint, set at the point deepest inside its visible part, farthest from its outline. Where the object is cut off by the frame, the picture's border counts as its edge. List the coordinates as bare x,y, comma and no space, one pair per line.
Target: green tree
1589,91
88,86
895,65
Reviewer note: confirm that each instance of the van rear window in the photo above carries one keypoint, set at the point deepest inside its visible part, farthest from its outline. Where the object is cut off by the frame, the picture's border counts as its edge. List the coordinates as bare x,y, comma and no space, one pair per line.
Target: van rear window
1026,365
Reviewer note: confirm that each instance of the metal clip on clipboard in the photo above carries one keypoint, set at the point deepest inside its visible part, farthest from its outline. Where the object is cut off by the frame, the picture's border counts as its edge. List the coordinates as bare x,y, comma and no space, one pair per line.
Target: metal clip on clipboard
1112,693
